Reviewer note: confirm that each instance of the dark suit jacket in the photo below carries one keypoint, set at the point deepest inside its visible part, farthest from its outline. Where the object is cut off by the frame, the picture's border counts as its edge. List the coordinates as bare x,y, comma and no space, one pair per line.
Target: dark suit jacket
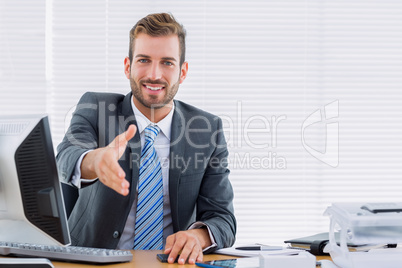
200,192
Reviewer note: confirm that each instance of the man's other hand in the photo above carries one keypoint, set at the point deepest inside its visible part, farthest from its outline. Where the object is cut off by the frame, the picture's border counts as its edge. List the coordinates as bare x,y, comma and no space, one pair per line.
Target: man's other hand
189,244
102,163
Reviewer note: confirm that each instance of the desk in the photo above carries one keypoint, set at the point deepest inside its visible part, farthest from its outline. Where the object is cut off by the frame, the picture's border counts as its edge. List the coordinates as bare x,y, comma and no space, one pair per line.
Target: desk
147,258
141,259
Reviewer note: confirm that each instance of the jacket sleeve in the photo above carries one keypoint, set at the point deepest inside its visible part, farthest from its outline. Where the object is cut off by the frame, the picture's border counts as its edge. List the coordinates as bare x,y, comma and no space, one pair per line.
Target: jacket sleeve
215,200
81,136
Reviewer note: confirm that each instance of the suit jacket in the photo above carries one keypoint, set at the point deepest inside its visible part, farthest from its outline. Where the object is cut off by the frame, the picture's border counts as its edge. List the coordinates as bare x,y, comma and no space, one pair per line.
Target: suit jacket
198,175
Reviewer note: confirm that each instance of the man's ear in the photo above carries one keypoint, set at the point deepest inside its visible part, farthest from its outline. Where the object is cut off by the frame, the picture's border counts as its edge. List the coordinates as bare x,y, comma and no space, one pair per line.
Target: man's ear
127,67
183,71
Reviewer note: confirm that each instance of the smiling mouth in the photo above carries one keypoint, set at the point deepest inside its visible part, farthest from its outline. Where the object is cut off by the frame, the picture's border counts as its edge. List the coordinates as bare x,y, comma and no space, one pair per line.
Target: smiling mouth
153,88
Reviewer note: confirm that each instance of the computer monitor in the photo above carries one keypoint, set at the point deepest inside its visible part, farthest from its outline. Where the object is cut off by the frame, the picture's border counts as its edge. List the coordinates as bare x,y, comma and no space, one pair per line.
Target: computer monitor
31,201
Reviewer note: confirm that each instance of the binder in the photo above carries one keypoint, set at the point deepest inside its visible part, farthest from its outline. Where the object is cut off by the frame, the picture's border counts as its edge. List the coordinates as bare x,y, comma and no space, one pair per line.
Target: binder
316,244
313,243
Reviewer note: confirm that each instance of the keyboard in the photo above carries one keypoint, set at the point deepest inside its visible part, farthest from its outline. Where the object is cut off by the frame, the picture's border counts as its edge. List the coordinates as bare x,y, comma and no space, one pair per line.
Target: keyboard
66,253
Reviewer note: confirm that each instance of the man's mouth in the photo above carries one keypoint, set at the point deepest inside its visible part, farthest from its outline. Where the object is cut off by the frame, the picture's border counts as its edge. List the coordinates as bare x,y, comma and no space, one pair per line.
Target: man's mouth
153,88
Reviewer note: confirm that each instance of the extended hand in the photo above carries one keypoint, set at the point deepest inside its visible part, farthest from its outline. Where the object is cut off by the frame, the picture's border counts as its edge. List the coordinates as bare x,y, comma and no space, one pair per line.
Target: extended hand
190,243
102,163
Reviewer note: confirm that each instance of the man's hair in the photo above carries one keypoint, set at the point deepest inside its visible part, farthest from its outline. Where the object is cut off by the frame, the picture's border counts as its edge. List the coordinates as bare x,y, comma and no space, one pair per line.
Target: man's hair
159,24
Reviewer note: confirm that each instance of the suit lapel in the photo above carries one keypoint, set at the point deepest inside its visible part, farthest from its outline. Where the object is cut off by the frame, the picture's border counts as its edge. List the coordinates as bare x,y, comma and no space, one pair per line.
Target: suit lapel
133,151
177,148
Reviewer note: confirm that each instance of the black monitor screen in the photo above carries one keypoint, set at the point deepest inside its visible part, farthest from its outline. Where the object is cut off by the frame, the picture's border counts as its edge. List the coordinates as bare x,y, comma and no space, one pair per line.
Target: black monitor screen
29,183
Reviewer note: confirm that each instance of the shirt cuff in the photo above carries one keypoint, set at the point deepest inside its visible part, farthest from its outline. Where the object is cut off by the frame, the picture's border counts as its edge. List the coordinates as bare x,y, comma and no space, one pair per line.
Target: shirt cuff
76,179
198,225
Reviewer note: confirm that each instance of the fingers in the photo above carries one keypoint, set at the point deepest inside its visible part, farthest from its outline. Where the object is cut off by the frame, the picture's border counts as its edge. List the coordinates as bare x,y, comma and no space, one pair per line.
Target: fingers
110,173
123,138
195,256
173,247
169,243
114,180
186,244
191,250
130,132
107,167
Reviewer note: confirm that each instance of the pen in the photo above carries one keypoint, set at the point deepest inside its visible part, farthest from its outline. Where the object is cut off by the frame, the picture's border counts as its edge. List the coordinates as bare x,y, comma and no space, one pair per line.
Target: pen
261,248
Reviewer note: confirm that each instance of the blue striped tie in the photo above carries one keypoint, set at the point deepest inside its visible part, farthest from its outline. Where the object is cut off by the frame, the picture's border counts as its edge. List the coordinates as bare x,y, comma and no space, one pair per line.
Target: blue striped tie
149,217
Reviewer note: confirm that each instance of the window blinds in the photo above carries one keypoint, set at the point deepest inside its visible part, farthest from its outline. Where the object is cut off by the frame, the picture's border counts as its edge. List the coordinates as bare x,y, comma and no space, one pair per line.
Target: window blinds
22,57
309,92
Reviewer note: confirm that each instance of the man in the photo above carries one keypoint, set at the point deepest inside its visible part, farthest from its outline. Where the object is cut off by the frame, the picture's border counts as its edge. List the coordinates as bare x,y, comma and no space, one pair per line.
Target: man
108,150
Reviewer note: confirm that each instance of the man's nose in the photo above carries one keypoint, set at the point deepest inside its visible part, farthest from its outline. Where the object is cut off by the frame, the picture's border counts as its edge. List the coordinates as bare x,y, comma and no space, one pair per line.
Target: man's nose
155,72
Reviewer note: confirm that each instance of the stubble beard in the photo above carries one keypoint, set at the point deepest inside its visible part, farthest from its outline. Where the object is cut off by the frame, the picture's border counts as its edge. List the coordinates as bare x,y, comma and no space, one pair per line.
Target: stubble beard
155,104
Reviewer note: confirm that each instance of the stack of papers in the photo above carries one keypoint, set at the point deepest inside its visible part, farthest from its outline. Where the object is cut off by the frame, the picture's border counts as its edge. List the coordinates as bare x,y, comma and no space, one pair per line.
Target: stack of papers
250,253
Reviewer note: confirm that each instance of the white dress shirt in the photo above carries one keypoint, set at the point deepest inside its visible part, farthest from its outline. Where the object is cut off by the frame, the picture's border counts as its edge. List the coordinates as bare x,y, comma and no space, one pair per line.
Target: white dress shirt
162,148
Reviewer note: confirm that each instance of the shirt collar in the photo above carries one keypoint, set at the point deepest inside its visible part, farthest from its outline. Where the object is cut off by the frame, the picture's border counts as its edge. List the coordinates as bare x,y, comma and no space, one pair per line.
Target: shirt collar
165,125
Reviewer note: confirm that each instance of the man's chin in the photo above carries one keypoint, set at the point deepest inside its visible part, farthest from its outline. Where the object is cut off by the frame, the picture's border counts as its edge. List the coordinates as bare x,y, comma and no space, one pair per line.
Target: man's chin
158,105
152,102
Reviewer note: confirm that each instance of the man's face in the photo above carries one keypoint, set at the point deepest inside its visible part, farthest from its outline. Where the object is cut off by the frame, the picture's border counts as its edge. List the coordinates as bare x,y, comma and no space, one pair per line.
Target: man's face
155,72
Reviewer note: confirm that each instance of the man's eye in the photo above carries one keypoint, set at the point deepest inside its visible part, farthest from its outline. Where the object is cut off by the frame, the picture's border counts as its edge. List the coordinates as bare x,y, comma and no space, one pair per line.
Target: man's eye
168,63
143,60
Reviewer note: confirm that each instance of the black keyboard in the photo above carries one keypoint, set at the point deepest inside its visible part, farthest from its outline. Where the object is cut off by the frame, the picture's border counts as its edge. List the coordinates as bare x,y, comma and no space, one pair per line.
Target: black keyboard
66,253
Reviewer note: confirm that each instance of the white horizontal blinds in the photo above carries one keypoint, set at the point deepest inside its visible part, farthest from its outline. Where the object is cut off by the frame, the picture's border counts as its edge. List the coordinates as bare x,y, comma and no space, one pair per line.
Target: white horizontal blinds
255,65
22,57
274,69
121,17
362,66
275,64
90,42
79,52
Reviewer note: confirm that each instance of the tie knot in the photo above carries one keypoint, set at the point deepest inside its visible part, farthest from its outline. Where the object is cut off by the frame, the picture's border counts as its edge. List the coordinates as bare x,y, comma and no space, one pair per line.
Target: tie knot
151,132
